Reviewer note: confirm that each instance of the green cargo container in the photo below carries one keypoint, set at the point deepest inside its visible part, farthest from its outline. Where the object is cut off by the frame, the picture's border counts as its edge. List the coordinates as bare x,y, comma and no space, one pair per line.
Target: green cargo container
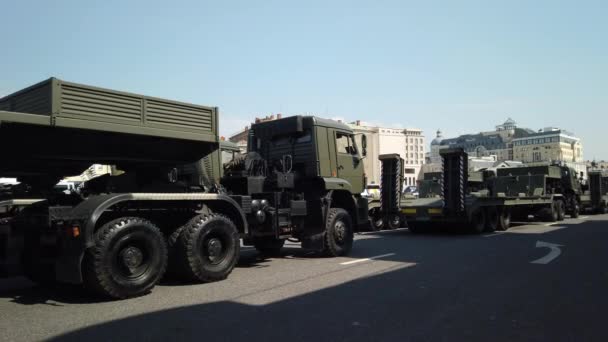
67,104
60,128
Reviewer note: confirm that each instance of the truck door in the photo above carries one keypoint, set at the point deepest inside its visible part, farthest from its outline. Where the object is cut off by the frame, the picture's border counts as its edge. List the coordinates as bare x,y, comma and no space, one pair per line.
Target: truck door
349,165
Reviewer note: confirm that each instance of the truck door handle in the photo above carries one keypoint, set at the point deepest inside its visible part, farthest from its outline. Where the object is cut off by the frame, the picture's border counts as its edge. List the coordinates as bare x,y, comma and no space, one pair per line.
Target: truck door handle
340,167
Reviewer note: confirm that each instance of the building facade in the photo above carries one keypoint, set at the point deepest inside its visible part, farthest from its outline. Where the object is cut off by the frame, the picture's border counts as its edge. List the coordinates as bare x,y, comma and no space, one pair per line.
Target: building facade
409,143
508,142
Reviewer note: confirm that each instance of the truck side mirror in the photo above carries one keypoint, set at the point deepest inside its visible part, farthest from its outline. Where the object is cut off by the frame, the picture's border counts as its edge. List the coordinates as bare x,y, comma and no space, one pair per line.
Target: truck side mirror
364,145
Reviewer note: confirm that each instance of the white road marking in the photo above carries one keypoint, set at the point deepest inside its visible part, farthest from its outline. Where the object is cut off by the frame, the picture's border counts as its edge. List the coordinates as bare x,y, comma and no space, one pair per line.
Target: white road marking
583,217
554,253
550,224
367,259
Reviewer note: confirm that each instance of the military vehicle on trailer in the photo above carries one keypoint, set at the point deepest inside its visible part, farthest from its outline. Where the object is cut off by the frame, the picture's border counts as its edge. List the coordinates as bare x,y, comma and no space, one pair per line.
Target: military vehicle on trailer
171,208
479,201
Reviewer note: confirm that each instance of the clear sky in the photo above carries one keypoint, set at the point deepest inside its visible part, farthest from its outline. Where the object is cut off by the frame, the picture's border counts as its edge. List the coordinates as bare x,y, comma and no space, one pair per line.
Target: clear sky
462,66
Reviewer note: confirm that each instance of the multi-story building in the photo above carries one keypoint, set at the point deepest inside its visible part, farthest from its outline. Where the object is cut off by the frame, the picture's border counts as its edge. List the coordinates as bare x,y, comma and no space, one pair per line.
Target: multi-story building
498,142
598,165
511,143
549,144
409,143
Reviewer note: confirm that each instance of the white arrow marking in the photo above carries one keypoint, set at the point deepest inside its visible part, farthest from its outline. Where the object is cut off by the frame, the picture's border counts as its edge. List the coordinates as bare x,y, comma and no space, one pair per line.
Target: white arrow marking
554,253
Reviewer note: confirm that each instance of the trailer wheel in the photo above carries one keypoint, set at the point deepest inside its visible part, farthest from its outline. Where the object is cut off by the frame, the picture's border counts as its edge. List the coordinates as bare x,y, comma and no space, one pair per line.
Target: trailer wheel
268,246
551,213
128,259
561,210
339,236
377,223
574,213
504,219
394,221
491,219
478,221
207,248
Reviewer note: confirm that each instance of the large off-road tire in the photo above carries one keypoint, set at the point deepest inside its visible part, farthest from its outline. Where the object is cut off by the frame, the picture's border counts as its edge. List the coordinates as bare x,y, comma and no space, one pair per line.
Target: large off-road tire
561,210
504,219
338,239
205,249
491,219
128,259
478,221
268,246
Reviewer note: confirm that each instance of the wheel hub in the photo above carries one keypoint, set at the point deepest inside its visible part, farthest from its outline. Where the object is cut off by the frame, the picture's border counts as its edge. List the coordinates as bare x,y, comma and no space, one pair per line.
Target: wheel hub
132,257
340,230
214,248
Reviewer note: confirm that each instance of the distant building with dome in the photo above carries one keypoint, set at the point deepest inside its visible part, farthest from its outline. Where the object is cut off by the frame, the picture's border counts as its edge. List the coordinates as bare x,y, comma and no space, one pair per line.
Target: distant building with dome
509,142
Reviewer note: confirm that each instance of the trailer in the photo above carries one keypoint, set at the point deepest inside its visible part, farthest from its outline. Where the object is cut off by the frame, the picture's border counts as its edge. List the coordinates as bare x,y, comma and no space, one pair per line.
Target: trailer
173,206
594,199
477,201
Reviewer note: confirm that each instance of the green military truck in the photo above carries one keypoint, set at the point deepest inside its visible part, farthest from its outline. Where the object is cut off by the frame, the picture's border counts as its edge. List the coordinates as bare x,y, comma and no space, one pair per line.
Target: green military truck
478,201
170,208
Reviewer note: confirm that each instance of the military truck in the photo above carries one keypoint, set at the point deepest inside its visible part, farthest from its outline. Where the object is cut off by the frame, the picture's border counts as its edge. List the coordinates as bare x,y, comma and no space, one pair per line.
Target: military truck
168,209
478,201
594,199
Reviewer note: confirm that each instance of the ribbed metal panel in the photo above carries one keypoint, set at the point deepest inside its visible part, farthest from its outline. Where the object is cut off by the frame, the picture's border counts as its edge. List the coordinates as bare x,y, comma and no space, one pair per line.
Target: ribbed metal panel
179,115
33,100
87,103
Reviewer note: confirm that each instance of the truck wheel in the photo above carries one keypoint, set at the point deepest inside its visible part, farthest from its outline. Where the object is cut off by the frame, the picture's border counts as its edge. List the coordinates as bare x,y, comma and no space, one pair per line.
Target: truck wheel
491,219
551,214
504,219
603,209
394,221
561,210
268,246
339,236
377,223
478,221
574,213
207,248
128,259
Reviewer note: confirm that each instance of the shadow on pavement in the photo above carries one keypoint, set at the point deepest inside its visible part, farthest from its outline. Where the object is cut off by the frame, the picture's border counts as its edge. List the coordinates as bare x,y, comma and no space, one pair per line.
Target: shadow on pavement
484,289
449,296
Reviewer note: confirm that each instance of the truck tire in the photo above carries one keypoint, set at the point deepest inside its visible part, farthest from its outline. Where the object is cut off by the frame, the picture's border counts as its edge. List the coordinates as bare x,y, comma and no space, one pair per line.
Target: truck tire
338,239
268,246
377,224
205,249
603,209
504,219
551,214
561,210
478,221
128,259
491,219
575,212
393,221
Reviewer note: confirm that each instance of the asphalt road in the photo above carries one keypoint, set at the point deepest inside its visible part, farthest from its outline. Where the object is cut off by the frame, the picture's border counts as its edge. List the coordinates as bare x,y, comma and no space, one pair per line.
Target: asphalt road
438,287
